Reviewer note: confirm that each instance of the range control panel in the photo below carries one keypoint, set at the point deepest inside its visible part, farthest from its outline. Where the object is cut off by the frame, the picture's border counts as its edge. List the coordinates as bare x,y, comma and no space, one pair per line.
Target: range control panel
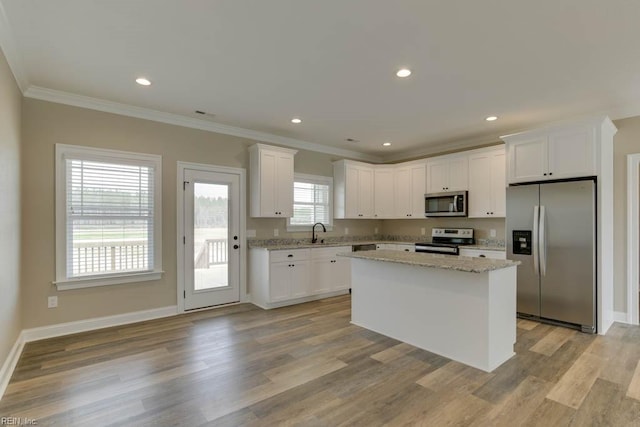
466,233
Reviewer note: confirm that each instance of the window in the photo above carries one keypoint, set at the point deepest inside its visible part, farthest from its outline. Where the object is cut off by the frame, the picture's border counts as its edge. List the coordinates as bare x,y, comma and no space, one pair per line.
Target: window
107,217
312,202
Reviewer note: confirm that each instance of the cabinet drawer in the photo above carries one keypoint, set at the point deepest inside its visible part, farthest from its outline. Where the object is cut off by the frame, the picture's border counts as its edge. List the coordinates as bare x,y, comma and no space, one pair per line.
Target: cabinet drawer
480,253
322,253
289,255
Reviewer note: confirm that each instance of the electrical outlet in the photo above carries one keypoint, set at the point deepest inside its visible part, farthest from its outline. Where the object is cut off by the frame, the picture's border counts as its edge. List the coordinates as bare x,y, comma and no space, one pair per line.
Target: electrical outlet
251,233
492,232
276,232
52,302
346,230
423,231
375,230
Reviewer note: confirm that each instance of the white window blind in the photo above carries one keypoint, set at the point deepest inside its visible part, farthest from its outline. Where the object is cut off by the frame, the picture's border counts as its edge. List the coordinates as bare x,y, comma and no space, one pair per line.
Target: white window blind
111,218
311,201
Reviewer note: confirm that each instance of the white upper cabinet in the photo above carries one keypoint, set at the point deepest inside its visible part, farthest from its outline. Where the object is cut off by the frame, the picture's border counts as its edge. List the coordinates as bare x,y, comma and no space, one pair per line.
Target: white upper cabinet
271,170
383,192
558,153
572,153
353,189
409,191
447,173
487,184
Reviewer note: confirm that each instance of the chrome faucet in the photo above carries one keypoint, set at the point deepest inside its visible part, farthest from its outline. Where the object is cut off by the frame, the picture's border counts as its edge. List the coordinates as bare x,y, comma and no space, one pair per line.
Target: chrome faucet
313,231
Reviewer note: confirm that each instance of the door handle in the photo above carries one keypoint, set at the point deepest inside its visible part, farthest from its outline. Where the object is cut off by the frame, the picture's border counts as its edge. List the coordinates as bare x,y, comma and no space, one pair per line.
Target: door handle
543,242
534,243
235,246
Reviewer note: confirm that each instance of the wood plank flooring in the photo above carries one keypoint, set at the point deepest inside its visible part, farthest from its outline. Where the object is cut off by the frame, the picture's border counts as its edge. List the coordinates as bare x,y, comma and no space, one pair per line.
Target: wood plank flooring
307,365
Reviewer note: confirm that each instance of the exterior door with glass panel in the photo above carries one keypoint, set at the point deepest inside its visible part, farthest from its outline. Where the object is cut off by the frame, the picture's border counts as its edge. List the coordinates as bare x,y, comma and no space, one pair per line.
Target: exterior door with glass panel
212,226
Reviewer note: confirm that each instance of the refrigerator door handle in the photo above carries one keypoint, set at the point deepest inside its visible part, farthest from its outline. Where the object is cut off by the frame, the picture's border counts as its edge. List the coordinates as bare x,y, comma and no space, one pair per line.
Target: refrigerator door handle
543,242
534,243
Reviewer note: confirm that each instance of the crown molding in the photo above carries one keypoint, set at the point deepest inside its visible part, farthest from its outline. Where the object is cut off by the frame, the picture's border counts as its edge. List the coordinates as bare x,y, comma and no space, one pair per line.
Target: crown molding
11,52
97,104
443,148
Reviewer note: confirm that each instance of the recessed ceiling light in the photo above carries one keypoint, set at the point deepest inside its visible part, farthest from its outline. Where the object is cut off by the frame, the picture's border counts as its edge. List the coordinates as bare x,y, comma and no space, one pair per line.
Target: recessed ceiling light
142,81
403,72
296,120
386,144
491,118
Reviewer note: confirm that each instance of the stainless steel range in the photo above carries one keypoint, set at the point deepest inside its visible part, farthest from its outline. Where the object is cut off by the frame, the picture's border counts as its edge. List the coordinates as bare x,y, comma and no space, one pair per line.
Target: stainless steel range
447,241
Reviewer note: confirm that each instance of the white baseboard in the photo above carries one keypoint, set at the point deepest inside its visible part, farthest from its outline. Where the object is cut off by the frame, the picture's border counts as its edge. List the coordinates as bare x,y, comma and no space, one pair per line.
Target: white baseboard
270,305
35,334
620,316
10,363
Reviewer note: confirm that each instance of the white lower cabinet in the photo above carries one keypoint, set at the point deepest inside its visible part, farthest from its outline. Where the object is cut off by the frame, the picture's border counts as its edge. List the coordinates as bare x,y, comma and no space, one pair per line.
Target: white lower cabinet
288,280
483,253
284,277
329,272
397,247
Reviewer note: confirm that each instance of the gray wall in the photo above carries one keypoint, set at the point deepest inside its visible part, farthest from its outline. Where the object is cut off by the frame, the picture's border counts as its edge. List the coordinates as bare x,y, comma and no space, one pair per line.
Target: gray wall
10,119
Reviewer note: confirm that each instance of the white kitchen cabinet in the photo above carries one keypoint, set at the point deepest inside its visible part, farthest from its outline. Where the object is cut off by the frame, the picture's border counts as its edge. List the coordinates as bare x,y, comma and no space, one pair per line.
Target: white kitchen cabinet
284,277
558,153
353,190
383,190
410,181
288,274
447,173
396,247
330,272
381,246
487,184
271,180
483,253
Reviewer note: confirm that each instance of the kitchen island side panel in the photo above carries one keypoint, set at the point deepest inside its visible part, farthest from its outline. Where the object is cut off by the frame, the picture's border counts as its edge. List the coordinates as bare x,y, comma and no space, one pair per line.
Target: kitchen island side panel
442,311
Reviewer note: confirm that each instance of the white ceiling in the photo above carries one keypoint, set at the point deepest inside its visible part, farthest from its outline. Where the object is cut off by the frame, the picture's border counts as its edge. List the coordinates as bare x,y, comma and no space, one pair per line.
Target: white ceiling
255,64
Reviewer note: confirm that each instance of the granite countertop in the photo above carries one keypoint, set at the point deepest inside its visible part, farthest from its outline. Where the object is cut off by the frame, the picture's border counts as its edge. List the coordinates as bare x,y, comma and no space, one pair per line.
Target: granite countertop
446,262
306,245
333,241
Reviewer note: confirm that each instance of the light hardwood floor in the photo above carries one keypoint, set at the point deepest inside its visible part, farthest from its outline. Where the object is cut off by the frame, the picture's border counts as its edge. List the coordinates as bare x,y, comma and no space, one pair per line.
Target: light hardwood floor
307,365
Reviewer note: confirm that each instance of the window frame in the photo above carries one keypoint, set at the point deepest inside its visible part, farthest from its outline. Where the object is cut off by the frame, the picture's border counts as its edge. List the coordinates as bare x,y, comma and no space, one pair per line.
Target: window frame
62,152
313,179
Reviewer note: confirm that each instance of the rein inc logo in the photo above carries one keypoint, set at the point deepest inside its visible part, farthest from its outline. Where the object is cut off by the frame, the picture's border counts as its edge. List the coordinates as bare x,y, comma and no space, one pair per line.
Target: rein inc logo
18,421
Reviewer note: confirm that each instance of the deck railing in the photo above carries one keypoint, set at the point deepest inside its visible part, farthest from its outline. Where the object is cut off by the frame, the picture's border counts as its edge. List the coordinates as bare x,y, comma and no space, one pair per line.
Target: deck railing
211,252
101,257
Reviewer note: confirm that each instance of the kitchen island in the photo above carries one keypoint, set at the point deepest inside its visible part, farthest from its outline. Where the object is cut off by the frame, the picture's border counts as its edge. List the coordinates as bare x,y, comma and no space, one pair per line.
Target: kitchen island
458,307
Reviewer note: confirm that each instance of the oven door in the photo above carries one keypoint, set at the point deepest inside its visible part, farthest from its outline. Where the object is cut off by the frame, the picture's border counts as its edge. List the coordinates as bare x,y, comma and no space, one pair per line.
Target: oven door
434,248
445,204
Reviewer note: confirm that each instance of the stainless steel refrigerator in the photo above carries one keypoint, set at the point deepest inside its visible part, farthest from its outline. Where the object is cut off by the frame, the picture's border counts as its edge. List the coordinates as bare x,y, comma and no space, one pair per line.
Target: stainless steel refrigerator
551,229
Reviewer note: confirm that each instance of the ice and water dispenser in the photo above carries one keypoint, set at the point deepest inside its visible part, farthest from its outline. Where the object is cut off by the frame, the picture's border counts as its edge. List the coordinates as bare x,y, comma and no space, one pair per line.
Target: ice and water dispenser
522,242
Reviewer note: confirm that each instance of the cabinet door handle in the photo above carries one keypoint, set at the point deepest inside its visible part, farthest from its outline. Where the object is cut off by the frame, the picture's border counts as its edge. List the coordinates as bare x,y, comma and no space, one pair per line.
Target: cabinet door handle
550,173
482,256
290,256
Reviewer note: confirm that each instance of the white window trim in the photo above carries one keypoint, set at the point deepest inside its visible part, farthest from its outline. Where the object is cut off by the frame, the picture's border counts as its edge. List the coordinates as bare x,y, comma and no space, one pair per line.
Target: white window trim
316,179
100,154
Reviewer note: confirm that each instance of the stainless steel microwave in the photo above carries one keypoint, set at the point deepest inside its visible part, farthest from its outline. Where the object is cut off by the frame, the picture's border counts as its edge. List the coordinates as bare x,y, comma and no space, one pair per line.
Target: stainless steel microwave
452,203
